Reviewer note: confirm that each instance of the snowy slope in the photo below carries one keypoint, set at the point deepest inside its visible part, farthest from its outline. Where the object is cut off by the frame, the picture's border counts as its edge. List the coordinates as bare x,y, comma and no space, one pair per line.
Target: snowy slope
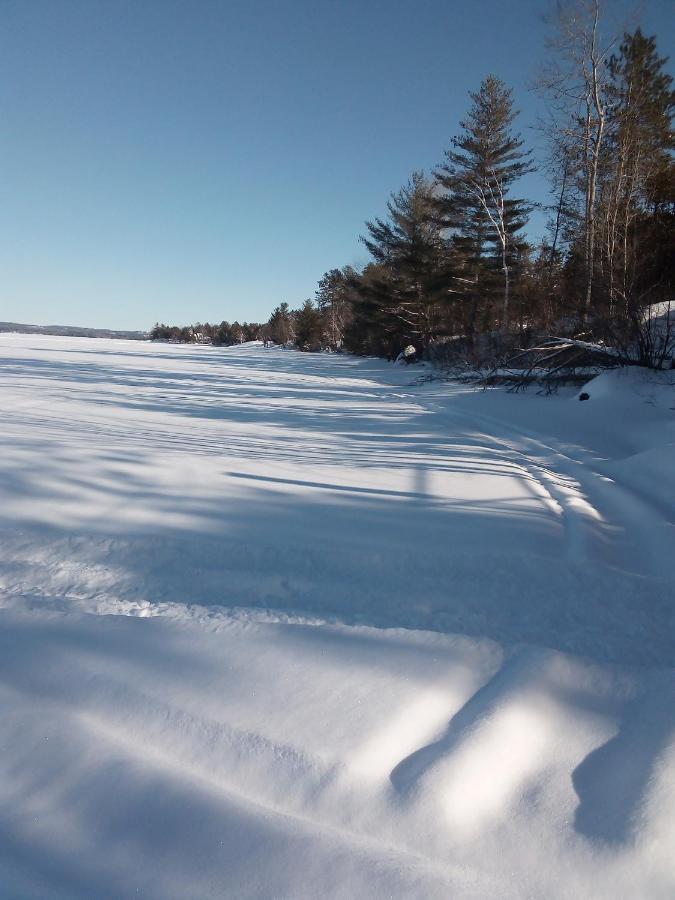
376,639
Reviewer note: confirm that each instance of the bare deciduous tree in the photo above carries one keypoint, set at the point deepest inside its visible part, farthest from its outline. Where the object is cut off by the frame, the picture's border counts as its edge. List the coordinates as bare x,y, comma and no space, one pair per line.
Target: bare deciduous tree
575,83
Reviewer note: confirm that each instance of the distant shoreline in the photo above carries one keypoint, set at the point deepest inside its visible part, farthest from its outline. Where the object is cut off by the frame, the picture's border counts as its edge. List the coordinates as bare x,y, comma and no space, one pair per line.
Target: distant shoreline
73,331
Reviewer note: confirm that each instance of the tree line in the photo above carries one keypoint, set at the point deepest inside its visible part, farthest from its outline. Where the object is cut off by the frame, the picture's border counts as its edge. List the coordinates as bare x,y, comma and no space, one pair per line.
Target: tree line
223,335
451,271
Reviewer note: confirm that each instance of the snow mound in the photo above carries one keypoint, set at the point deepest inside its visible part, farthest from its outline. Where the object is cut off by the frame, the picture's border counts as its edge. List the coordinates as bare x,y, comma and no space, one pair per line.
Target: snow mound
633,384
651,473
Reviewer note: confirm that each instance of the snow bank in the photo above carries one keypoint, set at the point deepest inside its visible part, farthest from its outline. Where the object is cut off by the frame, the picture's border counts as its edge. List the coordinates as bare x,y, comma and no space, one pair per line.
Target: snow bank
632,385
652,474
625,395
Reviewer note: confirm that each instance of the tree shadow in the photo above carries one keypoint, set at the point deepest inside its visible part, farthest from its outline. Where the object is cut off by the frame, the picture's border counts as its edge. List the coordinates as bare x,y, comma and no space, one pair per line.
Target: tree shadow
613,780
169,511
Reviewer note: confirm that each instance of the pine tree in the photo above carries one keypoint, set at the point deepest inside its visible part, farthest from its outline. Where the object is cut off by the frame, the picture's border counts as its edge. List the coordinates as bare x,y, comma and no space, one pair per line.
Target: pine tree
308,327
481,167
409,250
280,325
332,299
373,329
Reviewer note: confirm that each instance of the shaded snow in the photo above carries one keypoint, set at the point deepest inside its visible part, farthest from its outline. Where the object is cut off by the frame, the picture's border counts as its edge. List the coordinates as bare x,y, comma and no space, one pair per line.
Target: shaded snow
376,639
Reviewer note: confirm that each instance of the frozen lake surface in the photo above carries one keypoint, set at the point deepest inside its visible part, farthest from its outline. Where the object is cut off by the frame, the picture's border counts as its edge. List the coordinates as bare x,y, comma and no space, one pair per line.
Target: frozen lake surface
291,625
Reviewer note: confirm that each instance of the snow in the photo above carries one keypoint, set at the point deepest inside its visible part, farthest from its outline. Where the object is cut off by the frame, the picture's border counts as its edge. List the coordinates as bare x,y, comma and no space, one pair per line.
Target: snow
282,624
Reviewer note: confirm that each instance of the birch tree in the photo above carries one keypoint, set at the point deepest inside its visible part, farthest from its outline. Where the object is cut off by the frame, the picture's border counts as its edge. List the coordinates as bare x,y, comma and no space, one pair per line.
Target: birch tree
640,144
575,82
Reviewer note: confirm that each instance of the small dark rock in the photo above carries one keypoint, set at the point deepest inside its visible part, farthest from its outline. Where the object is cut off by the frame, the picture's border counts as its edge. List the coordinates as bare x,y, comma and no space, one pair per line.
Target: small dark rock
584,396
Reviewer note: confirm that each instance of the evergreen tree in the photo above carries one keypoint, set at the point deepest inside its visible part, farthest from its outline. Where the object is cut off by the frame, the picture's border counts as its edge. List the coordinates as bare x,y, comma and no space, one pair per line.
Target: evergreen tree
308,327
409,250
481,167
223,334
280,325
332,300
373,329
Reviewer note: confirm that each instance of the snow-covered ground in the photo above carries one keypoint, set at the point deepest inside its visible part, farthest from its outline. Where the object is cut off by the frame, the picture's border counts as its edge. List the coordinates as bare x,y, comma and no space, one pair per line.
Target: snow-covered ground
286,625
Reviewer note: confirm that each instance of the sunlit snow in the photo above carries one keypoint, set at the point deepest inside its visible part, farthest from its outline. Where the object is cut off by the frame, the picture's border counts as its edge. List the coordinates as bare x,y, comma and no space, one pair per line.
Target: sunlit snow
287,625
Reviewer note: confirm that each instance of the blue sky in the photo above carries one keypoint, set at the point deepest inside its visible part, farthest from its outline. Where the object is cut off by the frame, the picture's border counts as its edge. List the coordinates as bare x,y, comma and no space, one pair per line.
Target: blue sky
188,160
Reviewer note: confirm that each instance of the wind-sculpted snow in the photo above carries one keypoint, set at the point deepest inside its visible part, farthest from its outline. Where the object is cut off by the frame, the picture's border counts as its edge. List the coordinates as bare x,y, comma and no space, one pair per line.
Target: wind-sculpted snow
288,625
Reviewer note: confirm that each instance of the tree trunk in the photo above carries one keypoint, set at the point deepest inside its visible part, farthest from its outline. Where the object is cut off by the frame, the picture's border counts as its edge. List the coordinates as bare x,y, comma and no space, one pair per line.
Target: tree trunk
505,310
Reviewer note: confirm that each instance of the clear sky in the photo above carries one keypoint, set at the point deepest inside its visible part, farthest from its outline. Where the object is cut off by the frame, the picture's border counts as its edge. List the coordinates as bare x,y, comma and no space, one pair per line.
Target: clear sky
200,160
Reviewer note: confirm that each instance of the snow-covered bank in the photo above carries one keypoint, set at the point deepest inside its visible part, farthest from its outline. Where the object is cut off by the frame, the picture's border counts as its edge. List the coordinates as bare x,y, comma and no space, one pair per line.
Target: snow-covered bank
248,747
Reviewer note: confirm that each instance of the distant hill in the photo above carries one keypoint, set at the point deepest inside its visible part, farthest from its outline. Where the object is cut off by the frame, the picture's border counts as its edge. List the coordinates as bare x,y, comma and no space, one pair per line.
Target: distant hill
73,331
